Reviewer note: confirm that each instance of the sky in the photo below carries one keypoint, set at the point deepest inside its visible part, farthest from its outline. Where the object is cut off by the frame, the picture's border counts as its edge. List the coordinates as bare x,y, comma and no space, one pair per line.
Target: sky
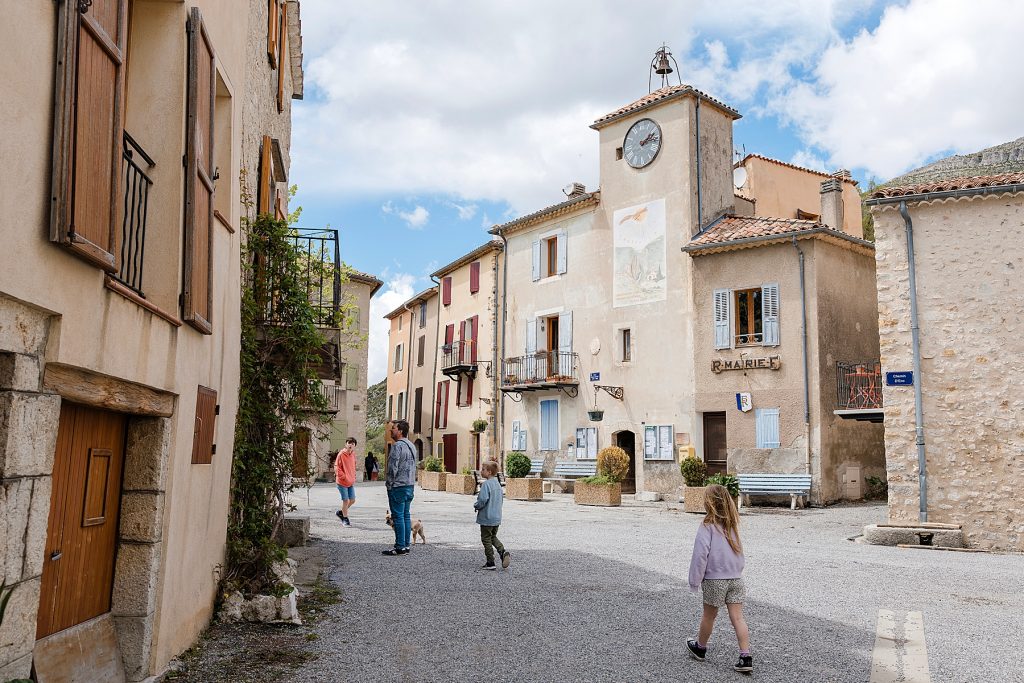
425,123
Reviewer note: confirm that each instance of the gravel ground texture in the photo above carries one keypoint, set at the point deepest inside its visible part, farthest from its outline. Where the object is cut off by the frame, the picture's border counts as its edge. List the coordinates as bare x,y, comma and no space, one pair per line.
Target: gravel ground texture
599,594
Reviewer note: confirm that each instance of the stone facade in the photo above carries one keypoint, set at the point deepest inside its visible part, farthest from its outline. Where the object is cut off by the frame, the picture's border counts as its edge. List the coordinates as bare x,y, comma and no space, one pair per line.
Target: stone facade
968,258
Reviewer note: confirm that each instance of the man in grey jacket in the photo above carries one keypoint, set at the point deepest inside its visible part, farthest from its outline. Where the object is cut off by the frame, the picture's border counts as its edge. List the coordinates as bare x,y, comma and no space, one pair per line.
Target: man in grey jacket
400,480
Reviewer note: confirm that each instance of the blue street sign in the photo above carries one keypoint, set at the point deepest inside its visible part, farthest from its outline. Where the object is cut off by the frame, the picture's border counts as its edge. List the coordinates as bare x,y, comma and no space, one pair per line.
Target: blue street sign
899,379
595,377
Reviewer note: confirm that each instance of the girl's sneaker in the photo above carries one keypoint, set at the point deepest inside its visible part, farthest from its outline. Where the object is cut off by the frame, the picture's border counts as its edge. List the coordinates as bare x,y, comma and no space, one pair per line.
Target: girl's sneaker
345,521
745,665
696,651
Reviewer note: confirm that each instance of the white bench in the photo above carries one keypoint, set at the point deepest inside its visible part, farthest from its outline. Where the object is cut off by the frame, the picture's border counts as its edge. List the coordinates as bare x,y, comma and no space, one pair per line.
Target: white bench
570,471
536,466
793,485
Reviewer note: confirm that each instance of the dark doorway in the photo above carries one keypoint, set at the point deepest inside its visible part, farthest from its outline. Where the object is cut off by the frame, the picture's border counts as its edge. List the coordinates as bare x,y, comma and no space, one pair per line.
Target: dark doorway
451,452
715,451
419,449
626,440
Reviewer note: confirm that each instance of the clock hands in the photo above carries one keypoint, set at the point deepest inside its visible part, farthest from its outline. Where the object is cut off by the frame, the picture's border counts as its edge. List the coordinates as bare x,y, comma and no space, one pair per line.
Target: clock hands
651,137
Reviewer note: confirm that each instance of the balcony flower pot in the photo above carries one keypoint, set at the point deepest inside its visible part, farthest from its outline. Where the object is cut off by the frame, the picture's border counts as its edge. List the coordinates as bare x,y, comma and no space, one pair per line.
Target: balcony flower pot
524,488
460,483
433,481
595,415
608,495
479,426
693,499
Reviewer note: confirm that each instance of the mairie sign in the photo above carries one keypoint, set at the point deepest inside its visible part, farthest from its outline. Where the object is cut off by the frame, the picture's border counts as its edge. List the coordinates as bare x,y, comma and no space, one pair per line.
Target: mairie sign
766,363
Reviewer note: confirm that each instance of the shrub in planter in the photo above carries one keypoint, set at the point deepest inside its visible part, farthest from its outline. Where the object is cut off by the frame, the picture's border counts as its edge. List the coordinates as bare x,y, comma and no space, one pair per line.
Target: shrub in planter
518,486
613,463
695,474
604,488
729,481
433,477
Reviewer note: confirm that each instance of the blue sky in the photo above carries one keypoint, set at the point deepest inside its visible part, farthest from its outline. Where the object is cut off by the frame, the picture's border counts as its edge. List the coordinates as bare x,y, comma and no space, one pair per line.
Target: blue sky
425,123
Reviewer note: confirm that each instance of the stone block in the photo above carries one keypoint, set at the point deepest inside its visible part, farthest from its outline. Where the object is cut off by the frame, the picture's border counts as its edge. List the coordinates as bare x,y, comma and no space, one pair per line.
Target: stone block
608,495
20,372
648,496
892,536
146,454
260,608
16,670
17,504
38,525
294,531
18,631
524,488
23,328
135,579
142,516
231,608
135,638
28,433
288,608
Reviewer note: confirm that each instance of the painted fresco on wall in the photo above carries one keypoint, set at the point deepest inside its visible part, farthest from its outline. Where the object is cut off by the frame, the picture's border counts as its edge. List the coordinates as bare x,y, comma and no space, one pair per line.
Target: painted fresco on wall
639,234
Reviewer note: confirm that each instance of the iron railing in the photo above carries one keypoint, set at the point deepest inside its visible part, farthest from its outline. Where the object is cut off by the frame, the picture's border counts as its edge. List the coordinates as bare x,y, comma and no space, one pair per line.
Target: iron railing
320,261
859,385
331,394
542,367
458,354
136,185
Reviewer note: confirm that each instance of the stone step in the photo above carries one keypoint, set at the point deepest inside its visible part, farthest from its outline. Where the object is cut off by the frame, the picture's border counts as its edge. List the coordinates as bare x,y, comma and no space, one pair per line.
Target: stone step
877,534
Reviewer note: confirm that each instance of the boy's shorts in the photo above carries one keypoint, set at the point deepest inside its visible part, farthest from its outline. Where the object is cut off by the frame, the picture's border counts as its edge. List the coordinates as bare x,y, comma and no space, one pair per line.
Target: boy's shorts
347,492
721,592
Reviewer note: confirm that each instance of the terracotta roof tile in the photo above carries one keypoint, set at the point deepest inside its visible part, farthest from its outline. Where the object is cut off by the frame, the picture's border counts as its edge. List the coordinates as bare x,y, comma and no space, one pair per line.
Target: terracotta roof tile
733,228
656,97
948,184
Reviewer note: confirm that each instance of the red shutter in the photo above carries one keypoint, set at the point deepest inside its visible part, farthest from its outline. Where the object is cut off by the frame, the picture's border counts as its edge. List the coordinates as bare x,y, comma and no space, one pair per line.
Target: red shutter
447,386
473,324
437,407
469,391
474,277
88,121
446,291
449,334
273,23
197,297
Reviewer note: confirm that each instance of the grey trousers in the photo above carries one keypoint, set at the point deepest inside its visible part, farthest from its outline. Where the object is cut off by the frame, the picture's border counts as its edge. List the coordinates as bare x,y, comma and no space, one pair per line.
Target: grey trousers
489,536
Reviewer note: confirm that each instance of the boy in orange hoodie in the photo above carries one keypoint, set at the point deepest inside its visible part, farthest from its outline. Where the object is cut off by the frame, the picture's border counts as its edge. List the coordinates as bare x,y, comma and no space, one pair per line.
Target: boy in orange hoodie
345,471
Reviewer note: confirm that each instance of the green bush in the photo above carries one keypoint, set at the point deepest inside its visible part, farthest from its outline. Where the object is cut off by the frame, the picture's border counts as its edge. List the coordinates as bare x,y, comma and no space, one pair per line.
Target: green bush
729,481
466,471
517,465
613,464
599,479
433,464
694,471
878,488
479,426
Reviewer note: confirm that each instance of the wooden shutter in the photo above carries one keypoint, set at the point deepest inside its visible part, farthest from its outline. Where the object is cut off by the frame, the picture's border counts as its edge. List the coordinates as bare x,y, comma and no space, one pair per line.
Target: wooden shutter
282,60
469,391
197,297
88,129
474,325
203,435
767,427
449,334
437,406
536,260
562,255
474,277
446,291
421,347
265,191
273,23
417,408
352,378
722,335
770,314
447,387
565,359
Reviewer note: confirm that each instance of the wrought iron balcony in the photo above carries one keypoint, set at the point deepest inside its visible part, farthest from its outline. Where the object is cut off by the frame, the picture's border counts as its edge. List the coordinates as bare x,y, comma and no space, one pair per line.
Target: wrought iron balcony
859,390
459,358
135,195
539,371
331,394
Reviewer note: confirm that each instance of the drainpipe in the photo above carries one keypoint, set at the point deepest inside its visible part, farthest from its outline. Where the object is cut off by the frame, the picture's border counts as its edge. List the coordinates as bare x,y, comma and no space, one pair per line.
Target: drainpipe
433,373
504,326
408,368
807,381
700,199
915,341
494,359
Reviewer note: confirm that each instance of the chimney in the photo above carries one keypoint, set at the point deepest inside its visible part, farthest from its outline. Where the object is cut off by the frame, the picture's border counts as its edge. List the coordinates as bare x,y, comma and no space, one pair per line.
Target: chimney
832,203
842,174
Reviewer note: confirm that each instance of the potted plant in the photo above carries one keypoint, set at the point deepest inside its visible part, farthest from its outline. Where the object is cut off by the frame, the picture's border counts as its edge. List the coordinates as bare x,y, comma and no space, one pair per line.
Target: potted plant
518,486
464,482
479,425
433,478
729,481
595,415
604,488
695,475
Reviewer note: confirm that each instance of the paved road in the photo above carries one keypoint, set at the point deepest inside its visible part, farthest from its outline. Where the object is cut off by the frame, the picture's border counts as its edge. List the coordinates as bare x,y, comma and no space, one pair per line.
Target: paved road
599,594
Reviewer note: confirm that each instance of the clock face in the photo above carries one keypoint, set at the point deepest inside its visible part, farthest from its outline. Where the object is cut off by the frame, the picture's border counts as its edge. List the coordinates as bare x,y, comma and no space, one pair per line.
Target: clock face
642,143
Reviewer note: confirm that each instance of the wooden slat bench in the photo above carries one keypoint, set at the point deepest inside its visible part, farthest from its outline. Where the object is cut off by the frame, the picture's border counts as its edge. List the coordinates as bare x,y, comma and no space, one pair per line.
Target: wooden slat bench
793,485
570,471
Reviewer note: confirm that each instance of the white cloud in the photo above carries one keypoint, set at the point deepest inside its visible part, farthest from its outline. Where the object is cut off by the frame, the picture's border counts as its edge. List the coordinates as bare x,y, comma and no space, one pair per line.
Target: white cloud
936,76
809,159
465,211
415,219
397,289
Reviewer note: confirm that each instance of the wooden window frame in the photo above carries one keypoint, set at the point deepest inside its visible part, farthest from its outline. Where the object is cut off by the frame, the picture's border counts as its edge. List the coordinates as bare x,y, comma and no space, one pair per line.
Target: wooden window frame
753,335
626,341
273,26
551,255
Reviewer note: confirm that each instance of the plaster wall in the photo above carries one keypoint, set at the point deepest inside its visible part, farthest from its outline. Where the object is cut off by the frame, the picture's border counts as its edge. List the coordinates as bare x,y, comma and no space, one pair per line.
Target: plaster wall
413,375
968,257
397,379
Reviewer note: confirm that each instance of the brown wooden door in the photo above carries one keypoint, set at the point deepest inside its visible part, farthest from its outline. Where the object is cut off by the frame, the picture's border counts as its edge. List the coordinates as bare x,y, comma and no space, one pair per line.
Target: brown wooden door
300,453
81,539
451,452
715,451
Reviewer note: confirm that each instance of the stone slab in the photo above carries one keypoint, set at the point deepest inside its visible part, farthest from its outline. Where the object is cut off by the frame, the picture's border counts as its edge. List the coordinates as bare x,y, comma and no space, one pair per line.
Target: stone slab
893,536
649,496
18,631
85,653
135,579
28,433
24,514
294,531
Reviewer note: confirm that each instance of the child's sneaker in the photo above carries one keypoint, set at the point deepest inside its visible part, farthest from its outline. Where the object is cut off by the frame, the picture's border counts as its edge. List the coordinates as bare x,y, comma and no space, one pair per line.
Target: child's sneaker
346,521
340,516
490,566
696,651
506,559
745,665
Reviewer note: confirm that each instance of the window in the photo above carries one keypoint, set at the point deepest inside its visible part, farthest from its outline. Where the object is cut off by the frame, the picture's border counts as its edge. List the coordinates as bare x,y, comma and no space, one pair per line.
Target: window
352,378
423,315
398,358
446,291
400,322
627,345
586,443
658,442
417,410
549,255
400,414
746,317
204,434
421,347
441,405
464,390
474,277
551,252
518,436
391,406
549,425
749,330
273,30
767,429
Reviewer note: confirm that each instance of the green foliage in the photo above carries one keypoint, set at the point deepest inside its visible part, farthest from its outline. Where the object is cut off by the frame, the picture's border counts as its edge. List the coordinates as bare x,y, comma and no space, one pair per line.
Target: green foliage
694,471
867,220
517,465
479,426
729,481
613,463
599,479
878,488
466,472
376,400
433,464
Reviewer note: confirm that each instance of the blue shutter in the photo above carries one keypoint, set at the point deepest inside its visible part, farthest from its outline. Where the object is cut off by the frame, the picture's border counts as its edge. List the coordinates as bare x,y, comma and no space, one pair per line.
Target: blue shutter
536,260
770,314
767,429
549,425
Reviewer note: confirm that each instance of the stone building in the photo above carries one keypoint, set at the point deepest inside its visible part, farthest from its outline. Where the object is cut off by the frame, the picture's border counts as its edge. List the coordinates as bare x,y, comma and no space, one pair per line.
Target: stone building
955,226
119,314
412,362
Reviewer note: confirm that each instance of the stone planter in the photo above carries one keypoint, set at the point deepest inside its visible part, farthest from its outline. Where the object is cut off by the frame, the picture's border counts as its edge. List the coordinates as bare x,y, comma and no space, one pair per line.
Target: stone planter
597,494
693,499
433,481
524,488
460,483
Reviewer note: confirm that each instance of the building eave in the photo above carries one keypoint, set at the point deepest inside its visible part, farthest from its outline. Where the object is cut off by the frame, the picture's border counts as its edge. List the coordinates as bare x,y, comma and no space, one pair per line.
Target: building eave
684,91
566,208
827,234
493,245
423,296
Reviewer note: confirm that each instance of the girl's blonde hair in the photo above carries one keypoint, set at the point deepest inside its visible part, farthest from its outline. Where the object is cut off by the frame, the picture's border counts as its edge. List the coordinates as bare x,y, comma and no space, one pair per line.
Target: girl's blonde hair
721,512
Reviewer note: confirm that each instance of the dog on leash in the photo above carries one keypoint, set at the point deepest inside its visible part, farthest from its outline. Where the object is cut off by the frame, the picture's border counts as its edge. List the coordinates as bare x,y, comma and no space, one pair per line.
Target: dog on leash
417,528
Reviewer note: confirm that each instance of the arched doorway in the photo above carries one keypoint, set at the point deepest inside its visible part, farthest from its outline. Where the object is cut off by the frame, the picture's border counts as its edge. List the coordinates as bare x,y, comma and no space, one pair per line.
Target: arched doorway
626,440
419,449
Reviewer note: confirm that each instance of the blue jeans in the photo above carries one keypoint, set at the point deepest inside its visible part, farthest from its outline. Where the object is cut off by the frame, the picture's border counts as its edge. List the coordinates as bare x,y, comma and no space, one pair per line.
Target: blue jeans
400,502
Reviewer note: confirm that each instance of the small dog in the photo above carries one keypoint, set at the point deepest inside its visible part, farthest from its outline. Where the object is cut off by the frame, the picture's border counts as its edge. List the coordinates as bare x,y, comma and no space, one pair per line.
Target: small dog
417,528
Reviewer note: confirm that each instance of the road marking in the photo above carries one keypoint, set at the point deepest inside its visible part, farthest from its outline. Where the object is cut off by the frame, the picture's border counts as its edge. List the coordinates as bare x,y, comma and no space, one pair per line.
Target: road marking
900,657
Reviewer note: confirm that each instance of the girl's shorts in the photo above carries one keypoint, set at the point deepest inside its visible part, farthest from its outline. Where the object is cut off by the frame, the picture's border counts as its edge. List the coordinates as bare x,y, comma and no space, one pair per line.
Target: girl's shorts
721,592
347,492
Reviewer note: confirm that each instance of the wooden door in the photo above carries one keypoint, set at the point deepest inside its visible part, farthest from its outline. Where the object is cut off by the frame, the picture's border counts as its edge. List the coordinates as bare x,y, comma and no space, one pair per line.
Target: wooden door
451,452
715,451
81,537
300,453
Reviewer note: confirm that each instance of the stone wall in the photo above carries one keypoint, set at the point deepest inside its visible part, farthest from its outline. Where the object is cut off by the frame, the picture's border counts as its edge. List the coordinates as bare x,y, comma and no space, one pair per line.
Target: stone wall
969,258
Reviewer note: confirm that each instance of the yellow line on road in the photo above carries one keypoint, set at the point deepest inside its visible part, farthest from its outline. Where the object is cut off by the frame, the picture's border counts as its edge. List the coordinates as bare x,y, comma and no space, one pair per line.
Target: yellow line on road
900,657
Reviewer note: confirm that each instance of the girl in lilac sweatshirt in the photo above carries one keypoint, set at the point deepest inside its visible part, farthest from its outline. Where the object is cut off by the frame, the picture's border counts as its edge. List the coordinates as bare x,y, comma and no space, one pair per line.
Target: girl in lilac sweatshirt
717,568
